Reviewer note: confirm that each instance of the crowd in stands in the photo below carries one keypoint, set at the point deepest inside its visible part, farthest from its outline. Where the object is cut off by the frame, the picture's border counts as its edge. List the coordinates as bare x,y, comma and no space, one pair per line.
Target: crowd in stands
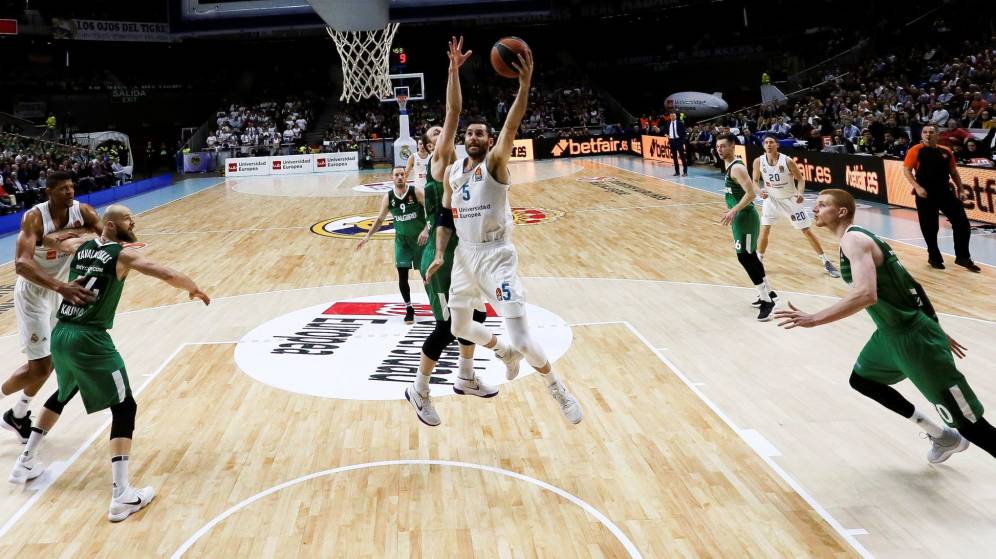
880,108
261,126
25,164
560,103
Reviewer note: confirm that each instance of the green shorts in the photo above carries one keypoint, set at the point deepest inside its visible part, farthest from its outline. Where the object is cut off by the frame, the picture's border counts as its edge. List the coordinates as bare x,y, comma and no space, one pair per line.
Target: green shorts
746,228
438,288
407,253
921,354
85,357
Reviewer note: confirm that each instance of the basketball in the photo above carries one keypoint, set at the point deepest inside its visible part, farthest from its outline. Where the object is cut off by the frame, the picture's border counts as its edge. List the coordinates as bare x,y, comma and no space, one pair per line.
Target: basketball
505,53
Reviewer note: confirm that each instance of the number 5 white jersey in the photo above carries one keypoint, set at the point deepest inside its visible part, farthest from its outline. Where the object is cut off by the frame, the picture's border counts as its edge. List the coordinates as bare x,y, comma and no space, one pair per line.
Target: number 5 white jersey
481,212
777,178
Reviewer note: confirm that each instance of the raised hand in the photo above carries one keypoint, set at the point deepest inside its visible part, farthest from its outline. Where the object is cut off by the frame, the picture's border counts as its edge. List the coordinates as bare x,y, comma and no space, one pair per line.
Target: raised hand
455,54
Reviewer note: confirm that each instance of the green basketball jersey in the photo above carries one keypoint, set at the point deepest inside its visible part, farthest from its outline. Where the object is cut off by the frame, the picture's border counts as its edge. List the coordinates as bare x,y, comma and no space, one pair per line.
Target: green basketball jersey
734,192
98,263
434,201
898,304
408,213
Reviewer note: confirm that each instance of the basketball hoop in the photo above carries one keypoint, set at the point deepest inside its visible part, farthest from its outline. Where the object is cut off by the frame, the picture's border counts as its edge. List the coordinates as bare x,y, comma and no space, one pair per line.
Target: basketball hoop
365,62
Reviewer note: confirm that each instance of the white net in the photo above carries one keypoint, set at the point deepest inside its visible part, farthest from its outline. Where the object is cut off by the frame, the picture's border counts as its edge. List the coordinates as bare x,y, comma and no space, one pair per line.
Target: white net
365,62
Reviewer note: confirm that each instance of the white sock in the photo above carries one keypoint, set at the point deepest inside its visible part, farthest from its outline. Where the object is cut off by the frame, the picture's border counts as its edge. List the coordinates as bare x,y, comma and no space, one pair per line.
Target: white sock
21,406
767,286
551,378
466,368
33,441
926,424
823,257
760,256
422,384
119,472
762,290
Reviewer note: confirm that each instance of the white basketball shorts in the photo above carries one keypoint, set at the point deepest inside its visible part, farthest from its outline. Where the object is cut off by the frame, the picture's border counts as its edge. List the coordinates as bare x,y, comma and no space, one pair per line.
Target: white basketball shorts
488,271
35,308
776,208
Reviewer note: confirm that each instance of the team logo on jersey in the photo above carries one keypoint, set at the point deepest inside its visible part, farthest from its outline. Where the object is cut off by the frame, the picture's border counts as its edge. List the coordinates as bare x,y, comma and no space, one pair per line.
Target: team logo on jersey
533,216
353,227
34,338
361,349
378,187
478,176
781,168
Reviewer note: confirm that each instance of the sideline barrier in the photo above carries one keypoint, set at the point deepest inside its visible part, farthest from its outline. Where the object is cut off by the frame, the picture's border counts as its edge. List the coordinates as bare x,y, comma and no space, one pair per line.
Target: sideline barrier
12,222
578,146
978,192
292,164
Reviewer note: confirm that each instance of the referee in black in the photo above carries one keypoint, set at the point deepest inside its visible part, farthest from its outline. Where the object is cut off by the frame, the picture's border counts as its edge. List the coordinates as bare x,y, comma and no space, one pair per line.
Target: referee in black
930,168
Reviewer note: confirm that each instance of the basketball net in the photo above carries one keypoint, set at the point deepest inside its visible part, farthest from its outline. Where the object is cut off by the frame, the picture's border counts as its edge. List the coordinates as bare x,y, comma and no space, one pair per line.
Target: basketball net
365,61
402,103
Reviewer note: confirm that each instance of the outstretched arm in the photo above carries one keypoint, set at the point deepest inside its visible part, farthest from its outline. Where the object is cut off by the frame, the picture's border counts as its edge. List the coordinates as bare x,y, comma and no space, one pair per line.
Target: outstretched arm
500,154
445,150
130,260
376,226
858,249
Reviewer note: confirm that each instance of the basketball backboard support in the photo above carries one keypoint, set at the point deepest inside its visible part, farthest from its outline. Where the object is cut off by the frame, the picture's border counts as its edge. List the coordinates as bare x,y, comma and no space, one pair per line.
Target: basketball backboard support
413,83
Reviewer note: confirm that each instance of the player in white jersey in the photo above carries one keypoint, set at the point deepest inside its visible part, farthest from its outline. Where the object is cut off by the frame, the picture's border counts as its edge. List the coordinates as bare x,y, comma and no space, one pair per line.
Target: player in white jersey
418,162
475,206
784,185
41,285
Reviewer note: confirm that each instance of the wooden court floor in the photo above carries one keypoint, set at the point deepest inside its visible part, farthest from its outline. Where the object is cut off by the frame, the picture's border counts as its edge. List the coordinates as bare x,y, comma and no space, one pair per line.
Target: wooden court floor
706,434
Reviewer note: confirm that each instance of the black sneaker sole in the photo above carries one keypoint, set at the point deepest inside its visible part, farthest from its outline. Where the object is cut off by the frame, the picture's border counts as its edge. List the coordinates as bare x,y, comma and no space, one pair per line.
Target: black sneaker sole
462,393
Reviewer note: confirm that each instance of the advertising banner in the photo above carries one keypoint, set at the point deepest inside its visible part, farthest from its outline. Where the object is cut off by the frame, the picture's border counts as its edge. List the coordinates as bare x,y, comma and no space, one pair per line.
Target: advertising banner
657,148
978,192
197,162
522,150
103,30
861,175
247,167
329,162
291,164
557,148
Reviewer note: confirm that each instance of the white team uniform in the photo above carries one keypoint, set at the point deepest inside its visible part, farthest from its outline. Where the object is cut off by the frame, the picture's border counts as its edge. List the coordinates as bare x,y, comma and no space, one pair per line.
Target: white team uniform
36,306
420,169
781,195
486,263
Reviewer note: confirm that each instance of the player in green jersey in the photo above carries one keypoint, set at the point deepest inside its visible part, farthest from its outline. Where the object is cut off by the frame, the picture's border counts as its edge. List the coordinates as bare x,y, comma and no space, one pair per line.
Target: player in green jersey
741,214
406,205
442,143
85,359
908,342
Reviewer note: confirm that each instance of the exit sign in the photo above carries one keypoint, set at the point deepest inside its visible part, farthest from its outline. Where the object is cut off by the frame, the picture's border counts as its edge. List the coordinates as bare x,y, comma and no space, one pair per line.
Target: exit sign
8,27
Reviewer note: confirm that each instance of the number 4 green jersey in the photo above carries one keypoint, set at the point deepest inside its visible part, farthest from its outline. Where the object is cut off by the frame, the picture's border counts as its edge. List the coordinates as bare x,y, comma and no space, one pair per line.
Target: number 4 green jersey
898,304
98,264
408,213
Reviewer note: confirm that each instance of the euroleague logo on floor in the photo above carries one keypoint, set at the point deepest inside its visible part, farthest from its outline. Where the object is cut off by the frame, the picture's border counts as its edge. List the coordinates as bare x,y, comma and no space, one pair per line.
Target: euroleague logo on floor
361,349
356,226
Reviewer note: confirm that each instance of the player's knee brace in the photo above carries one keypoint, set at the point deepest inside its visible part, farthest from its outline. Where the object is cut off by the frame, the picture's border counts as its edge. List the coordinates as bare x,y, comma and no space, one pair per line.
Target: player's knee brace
123,418
438,339
55,405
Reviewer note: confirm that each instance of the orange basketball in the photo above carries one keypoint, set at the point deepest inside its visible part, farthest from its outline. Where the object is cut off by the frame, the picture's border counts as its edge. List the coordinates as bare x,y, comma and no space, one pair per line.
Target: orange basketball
504,53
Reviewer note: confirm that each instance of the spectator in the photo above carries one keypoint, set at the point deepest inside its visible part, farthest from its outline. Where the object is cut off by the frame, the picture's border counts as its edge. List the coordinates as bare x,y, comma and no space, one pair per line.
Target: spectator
899,147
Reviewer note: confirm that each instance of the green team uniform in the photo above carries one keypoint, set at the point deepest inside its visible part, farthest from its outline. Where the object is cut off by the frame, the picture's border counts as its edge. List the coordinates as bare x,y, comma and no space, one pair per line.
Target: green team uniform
409,221
909,344
437,288
82,351
746,224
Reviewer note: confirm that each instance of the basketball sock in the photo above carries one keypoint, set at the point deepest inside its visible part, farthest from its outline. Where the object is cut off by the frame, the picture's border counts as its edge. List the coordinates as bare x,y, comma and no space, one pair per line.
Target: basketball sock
466,368
760,256
767,286
119,472
763,292
34,440
551,378
21,406
422,384
823,257
926,424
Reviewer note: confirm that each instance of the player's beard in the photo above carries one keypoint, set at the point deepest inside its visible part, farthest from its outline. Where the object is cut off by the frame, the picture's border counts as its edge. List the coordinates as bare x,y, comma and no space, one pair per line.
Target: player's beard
127,236
476,151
